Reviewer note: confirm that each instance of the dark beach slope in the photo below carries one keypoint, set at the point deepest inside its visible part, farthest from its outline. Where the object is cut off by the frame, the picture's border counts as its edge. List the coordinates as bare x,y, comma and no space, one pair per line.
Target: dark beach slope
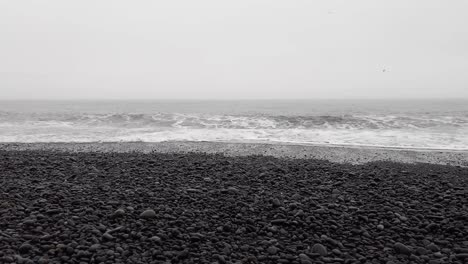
86,207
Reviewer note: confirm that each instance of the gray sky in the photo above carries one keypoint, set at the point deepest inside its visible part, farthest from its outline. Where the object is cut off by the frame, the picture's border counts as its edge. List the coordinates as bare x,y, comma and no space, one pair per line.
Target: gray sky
233,49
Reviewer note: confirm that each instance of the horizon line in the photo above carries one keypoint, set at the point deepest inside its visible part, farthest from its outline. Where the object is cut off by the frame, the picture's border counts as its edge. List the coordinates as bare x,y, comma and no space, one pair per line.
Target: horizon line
230,99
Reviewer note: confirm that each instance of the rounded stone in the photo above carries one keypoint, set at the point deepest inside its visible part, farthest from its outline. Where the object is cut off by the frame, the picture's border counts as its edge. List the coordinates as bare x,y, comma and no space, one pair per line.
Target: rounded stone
401,248
320,249
276,202
421,251
148,214
304,259
29,222
108,236
433,247
272,250
94,247
336,252
118,213
155,239
25,248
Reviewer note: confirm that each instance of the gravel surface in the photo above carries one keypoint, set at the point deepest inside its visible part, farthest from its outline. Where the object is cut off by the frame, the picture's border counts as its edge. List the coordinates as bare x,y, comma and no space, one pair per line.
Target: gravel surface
335,153
94,207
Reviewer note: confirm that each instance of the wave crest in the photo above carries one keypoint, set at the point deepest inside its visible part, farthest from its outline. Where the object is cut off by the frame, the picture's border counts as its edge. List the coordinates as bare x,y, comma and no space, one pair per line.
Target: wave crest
204,121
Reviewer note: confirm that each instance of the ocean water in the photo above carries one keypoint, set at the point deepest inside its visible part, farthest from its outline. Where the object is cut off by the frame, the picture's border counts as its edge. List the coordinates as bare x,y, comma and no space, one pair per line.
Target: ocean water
433,124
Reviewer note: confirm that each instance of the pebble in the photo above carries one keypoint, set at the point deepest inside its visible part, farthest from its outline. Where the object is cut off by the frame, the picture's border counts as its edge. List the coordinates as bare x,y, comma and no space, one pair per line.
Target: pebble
29,221
118,213
44,260
82,253
278,221
94,247
422,251
304,259
433,247
401,248
276,202
320,249
148,214
108,236
296,196
299,213
272,250
336,252
155,239
25,248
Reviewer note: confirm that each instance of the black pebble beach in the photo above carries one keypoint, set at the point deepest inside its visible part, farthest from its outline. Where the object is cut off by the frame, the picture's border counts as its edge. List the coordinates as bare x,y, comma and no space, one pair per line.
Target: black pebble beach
64,207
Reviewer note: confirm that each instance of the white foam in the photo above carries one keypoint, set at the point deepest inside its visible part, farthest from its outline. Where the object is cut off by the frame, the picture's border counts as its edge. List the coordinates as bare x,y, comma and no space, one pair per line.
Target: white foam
382,138
438,132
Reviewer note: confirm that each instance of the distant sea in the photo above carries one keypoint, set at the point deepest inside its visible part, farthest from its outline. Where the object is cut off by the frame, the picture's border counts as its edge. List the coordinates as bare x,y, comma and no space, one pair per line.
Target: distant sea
433,124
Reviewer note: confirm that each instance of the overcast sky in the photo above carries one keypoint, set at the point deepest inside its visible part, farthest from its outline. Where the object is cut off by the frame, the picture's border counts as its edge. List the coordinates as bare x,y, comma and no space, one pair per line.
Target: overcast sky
233,49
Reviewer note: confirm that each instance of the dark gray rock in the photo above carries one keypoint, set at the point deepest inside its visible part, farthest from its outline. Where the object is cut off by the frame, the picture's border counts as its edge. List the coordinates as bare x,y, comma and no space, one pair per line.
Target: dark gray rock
272,250
433,247
25,248
156,239
276,202
118,213
94,247
320,249
304,259
402,248
107,236
148,214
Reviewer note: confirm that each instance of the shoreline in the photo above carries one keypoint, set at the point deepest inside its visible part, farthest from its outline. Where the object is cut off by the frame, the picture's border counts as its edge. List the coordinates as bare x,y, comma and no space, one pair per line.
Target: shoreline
333,153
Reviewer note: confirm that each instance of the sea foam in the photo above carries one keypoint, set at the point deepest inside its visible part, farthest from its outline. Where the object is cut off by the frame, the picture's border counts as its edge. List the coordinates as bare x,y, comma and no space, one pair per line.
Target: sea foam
407,129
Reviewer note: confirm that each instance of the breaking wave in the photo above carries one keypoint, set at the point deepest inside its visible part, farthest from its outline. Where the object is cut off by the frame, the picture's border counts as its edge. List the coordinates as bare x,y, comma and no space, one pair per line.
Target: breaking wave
409,131
201,121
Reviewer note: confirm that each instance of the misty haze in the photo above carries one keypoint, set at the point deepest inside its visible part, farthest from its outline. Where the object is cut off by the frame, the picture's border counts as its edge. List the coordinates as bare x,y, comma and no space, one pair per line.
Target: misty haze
236,50
259,131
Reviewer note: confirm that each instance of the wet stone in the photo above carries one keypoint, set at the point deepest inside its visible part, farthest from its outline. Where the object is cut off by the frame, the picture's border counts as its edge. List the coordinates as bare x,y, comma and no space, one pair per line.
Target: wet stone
279,221
156,239
272,250
276,202
401,248
320,249
107,236
25,248
94,247
118,213
433,247
304,259
421,251
148,214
